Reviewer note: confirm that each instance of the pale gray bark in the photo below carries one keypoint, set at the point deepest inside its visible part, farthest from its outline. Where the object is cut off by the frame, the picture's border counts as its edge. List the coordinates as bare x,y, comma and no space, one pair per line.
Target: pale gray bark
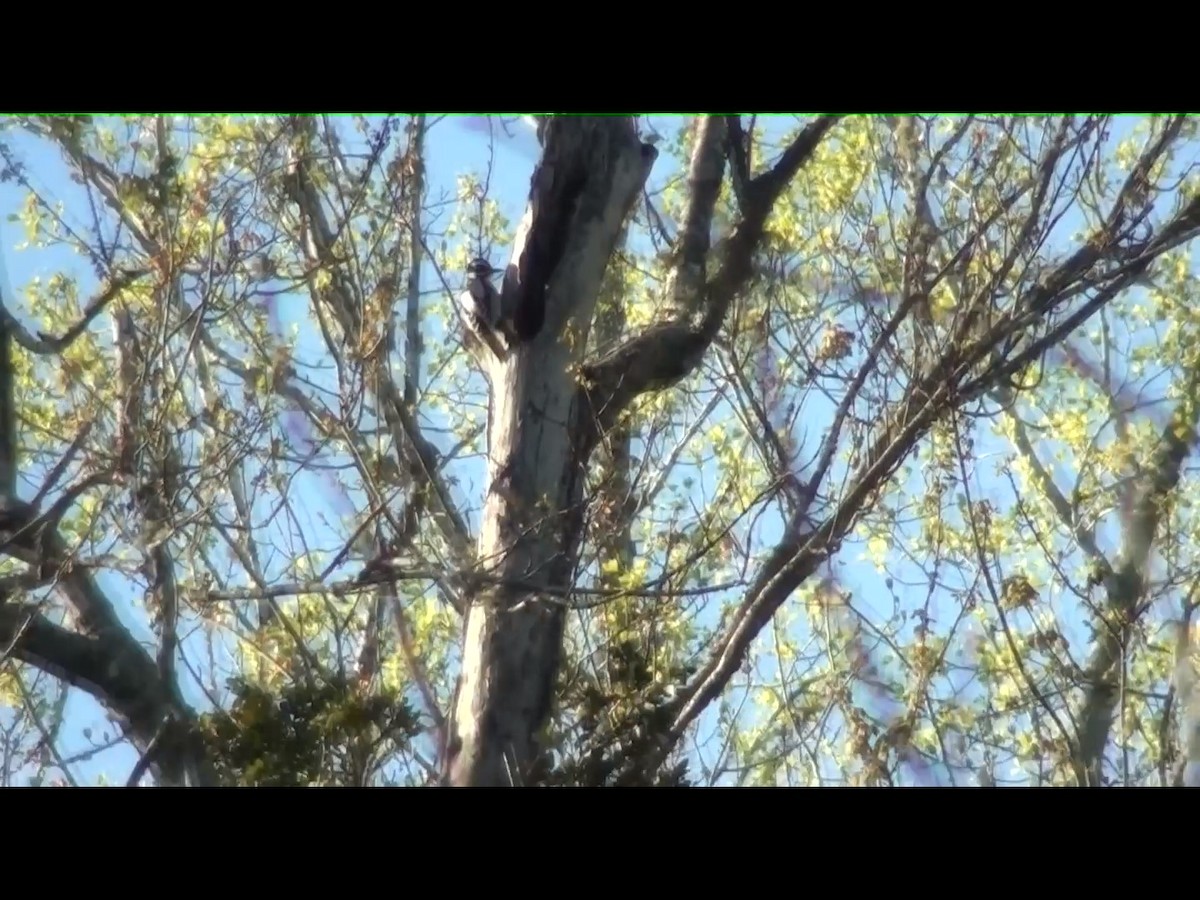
591,172
1124,587
546,425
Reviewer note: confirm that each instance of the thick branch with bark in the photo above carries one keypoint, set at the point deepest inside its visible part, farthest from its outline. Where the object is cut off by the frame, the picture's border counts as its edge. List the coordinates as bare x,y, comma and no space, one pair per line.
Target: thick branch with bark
592,172
666,353
120,675
1125,585
555,192
545,428
46,344
143,695
105,660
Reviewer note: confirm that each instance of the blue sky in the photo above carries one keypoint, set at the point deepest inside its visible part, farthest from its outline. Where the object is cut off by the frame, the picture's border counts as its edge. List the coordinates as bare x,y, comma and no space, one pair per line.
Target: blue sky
454,146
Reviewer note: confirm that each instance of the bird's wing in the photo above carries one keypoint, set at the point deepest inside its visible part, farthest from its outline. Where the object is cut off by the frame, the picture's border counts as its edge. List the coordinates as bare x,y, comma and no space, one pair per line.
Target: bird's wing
475,319
475,298
493,303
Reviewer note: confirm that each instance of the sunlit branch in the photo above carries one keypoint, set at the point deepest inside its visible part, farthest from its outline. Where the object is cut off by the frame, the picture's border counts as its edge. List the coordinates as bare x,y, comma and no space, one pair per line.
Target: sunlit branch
668,352
44,344
652,590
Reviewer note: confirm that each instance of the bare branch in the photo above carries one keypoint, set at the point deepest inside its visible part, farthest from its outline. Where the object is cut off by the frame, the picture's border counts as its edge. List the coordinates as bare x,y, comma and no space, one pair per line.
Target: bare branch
45,344
148,756
805,545
415,666
685,287
1125,586
416,194
64,462
738,143
8,413
421,454
666,353
110,667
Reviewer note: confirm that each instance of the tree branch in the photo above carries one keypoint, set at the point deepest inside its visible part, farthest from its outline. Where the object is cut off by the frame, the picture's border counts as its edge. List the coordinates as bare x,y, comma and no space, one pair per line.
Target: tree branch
540,442
423,457
561,196
685,287
738,143
666,353
45,344
802,550
415,186
947,384
112,668
108,652
1124,586
8,413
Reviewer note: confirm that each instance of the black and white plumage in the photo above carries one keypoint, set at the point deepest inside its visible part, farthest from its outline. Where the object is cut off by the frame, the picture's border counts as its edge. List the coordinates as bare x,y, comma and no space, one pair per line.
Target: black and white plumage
479,308
389,566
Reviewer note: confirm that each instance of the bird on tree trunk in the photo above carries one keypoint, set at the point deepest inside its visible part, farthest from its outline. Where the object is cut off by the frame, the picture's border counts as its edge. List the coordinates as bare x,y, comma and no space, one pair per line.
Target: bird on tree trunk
479,310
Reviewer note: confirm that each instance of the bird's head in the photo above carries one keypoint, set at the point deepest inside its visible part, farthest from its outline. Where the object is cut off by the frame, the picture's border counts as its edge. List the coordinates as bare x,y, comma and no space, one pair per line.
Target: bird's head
480,268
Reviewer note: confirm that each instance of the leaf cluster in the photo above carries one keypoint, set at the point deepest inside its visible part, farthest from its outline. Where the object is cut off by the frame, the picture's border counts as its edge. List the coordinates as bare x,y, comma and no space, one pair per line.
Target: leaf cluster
309,733
619,727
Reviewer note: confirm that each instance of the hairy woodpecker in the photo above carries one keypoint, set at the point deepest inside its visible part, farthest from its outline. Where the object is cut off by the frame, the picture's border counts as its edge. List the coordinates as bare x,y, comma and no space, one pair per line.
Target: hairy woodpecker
479,308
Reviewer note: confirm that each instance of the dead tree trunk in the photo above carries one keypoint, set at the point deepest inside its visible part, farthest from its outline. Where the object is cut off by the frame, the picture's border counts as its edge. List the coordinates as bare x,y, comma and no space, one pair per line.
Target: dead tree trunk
591,172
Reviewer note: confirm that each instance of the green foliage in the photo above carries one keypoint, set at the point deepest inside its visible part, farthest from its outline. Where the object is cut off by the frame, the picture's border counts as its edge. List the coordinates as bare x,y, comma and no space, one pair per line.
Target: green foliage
616,729
307,735
950,630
